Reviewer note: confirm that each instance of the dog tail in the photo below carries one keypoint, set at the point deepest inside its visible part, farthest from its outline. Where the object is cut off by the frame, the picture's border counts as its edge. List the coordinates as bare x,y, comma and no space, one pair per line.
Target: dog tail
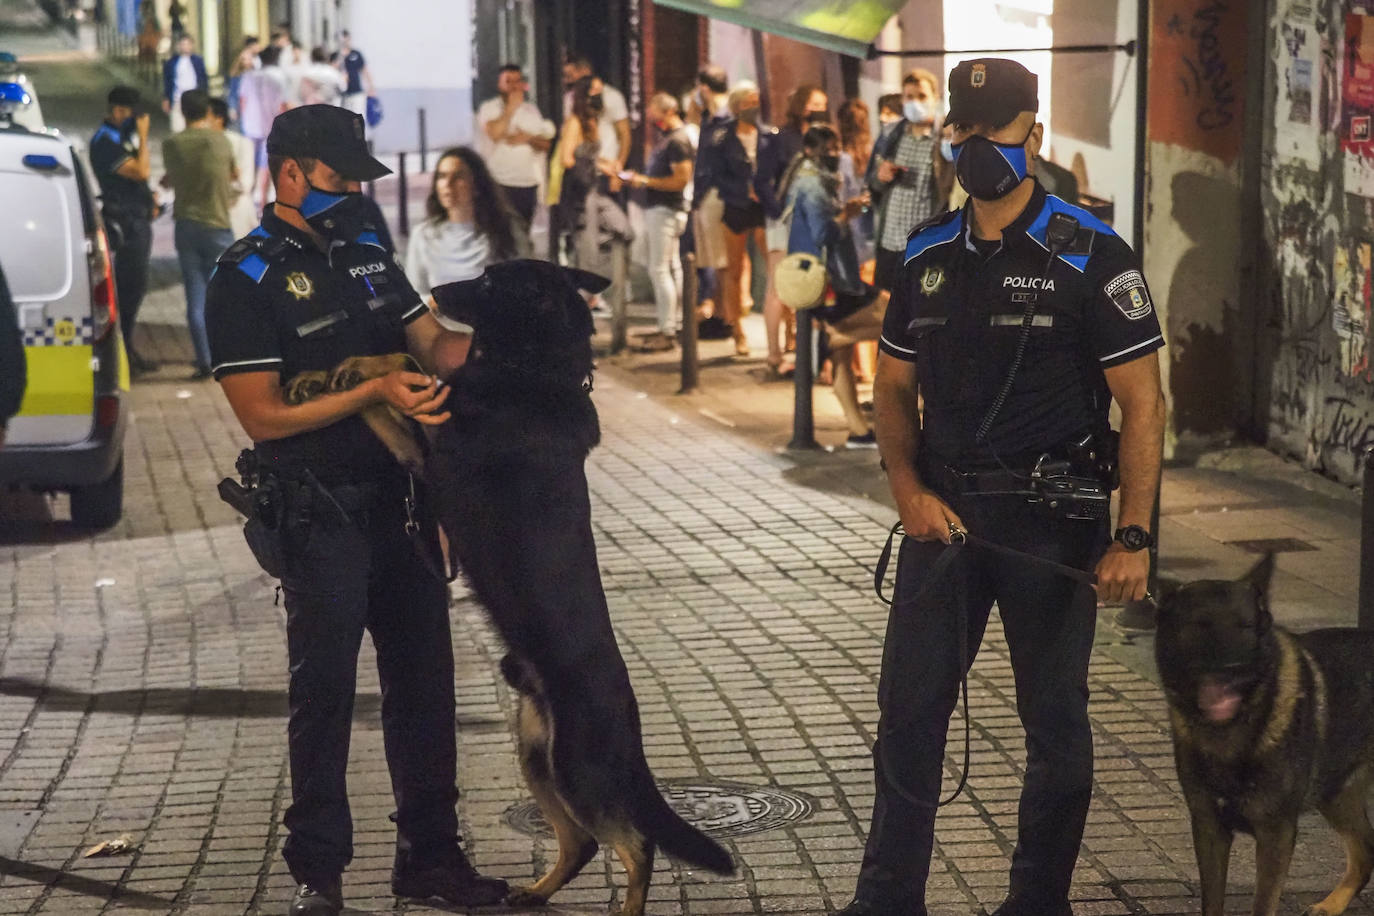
660,823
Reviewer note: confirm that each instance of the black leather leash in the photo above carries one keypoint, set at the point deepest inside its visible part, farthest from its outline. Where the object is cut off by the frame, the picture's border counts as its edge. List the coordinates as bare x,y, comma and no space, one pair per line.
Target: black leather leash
958,541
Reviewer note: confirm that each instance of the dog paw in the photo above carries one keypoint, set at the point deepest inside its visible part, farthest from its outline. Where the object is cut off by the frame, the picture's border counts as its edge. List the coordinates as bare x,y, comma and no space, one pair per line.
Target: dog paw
345,377
1317,909
523,896
305,386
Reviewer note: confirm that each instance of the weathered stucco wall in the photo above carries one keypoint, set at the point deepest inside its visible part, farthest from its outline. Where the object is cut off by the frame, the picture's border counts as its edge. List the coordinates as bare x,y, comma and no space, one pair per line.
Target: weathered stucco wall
1193,215
1318,203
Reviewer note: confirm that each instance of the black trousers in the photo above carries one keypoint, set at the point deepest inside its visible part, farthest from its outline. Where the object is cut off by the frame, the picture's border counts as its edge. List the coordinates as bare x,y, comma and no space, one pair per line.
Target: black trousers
1049,622
522,201
340,579
131,271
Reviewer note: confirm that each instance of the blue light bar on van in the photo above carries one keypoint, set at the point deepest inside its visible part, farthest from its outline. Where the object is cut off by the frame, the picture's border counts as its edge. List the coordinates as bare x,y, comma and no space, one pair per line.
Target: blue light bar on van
42,162
14,94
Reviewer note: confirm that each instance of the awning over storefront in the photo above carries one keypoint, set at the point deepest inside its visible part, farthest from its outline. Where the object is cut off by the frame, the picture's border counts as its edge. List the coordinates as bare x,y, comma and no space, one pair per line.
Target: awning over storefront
846,26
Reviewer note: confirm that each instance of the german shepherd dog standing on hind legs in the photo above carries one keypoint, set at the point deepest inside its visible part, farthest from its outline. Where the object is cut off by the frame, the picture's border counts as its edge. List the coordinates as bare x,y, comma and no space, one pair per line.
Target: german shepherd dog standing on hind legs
506,477
1267,724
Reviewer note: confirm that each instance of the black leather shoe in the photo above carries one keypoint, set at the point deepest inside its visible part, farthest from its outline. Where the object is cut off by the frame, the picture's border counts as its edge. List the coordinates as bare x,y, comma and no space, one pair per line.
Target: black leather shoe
1017,905
324,899
454,881
864,908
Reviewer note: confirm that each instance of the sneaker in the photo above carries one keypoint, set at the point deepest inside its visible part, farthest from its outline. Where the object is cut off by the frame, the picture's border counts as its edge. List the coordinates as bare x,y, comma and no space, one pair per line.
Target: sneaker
867,440
455,881
141,364
657,342
325,899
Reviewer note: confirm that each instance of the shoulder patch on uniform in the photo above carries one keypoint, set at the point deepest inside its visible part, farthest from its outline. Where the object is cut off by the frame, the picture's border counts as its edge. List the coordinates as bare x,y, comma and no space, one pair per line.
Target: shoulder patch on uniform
237,251
938,230
1129,294
1080,250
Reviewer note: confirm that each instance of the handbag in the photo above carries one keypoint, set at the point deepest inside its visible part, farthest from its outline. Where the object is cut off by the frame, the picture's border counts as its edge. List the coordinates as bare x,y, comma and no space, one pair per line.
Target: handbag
800,280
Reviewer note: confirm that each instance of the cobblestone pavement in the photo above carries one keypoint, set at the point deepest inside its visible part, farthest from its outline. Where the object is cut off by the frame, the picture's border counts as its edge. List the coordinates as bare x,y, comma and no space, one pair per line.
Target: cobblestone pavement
141,679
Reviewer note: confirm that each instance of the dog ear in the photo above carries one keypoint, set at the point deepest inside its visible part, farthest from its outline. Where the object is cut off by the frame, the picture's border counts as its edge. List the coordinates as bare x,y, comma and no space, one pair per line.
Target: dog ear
585,280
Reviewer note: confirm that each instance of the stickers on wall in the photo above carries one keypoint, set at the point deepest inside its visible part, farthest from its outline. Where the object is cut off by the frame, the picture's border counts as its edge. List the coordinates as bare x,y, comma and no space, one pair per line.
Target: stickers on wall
1296,115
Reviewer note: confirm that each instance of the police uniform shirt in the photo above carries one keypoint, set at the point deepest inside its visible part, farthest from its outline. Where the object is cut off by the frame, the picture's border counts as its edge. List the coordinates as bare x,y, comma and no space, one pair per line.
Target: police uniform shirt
111,147
957,313
277,303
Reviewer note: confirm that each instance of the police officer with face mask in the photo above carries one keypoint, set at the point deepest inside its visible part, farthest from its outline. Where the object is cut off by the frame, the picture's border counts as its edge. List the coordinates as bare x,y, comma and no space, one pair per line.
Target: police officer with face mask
1016,320
333,514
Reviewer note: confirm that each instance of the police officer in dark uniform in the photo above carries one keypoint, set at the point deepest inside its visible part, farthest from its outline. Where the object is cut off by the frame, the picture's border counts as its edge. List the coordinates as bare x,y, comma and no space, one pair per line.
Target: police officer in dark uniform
334,515
121,159
1017,320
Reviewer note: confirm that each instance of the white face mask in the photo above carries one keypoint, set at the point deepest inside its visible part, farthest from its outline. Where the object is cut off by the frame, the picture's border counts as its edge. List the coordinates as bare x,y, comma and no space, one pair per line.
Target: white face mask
917,112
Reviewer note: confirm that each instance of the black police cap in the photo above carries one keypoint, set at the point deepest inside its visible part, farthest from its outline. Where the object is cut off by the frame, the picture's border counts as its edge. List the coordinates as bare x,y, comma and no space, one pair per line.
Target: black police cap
331,134
991,91
124,95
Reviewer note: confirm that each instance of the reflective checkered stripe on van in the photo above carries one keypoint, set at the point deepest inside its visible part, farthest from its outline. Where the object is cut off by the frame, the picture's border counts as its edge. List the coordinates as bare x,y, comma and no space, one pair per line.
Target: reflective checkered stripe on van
60,332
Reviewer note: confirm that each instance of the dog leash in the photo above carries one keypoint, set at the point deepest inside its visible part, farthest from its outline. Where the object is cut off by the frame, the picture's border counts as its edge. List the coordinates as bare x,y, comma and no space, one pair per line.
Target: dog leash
959,539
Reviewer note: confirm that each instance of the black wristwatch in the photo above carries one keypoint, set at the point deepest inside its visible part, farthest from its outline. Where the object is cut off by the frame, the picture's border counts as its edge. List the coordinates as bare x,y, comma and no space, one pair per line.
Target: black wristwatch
1134,537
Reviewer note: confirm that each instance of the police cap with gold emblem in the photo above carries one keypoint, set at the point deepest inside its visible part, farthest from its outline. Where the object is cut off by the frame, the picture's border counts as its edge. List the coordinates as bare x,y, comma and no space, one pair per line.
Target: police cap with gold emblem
991,91
331,134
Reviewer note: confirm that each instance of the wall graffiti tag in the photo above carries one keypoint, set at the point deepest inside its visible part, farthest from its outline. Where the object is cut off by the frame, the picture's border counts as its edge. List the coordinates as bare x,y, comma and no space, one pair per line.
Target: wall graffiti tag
1198,61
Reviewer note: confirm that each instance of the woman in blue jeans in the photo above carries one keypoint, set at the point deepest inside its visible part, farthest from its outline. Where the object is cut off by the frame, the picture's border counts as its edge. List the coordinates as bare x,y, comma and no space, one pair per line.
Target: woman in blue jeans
820,226
667,174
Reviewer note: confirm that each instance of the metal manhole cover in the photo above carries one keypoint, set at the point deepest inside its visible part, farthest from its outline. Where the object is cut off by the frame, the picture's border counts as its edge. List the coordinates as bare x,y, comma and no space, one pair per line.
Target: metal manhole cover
721,809
1273,545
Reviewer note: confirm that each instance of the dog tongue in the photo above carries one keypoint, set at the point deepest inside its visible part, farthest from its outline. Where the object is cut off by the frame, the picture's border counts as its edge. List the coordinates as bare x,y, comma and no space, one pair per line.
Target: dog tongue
1218,701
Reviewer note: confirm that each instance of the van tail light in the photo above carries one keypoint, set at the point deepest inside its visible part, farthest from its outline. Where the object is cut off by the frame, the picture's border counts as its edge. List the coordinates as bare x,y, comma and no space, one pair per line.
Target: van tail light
107,411
104,302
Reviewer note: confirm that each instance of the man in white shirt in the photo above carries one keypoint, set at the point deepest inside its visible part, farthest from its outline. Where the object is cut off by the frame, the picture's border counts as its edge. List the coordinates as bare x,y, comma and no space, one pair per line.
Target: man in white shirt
516,137
614,124
180,74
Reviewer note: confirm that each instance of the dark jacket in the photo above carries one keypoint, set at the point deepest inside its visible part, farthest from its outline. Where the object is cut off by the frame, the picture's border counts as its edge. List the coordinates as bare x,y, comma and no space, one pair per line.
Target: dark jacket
13,367
727,167
169,75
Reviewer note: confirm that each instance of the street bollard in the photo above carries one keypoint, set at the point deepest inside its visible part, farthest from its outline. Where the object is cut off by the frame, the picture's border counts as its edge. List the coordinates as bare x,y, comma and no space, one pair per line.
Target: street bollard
424,144
620,269
803,423
403,212
687,337
1365,619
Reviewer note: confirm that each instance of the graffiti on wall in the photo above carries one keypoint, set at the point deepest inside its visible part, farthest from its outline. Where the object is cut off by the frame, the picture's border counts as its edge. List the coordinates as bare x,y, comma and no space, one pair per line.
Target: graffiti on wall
1298,103
1198,57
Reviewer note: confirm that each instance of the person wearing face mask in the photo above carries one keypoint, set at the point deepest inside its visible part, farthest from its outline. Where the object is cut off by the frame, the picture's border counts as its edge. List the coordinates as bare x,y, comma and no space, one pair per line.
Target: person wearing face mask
1013,325
819,216
742,162
665,217
338,519
908,176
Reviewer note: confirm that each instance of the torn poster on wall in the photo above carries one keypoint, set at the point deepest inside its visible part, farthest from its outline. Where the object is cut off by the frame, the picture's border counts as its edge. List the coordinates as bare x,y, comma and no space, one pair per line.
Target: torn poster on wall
1357,104
1350,312
1298,103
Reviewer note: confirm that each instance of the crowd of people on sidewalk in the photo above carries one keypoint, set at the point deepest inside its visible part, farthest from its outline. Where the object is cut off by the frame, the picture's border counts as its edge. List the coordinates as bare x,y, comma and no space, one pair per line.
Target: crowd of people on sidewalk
718,181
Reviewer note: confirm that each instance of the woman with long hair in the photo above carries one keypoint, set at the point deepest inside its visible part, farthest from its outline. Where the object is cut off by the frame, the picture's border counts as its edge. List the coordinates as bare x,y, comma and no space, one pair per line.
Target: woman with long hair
468,224
586,205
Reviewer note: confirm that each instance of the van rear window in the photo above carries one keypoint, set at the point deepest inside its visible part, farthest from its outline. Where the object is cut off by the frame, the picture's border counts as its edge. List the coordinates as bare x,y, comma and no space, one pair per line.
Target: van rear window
37,254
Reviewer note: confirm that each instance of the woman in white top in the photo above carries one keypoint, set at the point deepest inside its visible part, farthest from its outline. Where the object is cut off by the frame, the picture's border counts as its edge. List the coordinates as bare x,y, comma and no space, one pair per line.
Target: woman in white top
468,224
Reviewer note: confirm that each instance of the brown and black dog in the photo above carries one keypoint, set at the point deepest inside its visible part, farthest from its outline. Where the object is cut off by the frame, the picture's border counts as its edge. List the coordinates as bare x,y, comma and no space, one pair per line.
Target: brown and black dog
1267,724
508,480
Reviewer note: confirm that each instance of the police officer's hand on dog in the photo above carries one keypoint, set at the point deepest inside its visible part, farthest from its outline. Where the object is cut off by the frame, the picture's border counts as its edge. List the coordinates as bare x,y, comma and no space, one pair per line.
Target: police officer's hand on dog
1122,575
415,395
927,517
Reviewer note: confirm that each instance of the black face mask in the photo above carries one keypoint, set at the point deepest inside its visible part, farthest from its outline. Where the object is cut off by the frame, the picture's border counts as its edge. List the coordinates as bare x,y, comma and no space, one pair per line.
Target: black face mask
596,104
818,117
989,170
829,163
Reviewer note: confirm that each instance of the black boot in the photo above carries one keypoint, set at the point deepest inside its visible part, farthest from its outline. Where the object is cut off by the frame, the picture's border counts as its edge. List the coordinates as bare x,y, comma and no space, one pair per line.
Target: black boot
317,899
451,878
1024,905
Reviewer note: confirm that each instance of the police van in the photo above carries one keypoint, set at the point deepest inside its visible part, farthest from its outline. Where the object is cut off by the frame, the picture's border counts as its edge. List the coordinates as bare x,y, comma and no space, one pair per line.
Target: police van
69,432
